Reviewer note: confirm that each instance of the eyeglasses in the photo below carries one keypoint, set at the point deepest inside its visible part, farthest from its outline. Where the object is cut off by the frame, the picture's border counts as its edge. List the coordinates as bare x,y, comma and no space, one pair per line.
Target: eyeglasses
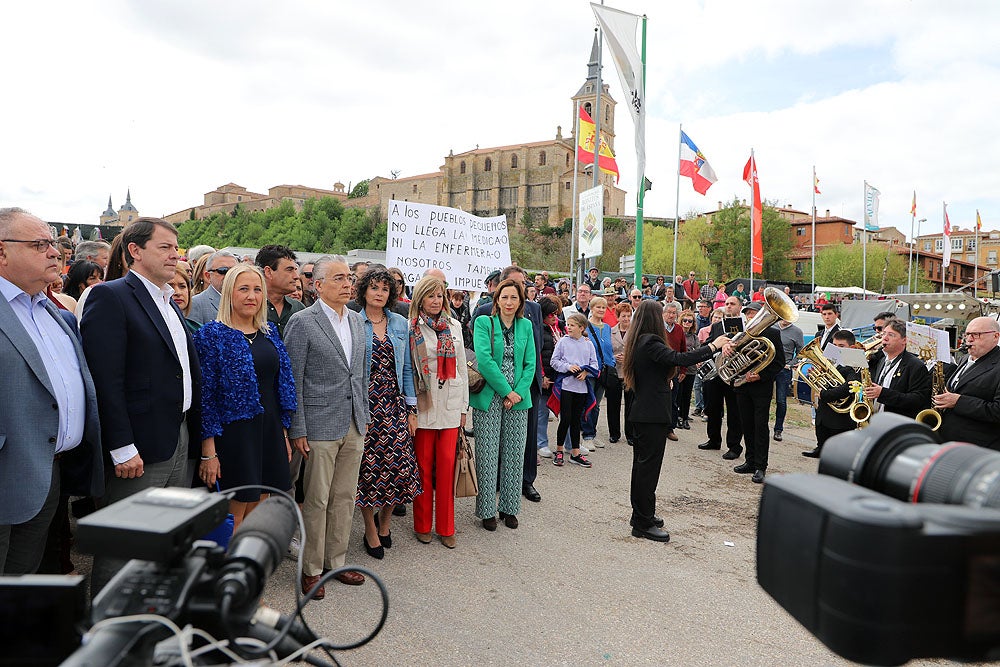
307,274
687,321
976,335
40,245
878,328
637,296
222,270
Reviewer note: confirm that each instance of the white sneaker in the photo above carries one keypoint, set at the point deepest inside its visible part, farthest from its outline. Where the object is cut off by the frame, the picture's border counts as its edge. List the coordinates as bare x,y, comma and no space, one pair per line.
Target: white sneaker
546,452
584,450
599,444
293,549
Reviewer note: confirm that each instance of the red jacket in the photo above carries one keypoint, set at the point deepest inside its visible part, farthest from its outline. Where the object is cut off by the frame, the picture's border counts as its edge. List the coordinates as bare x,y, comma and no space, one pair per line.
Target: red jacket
693,289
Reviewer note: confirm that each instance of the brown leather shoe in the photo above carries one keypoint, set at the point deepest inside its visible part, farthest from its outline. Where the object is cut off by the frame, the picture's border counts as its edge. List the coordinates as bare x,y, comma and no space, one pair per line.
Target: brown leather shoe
672,436
309,582
448,541
424,538
350,577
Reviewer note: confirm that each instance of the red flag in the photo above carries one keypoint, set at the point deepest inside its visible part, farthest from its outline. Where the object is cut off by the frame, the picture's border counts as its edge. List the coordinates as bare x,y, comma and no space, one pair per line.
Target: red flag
913,206
816,183
756,218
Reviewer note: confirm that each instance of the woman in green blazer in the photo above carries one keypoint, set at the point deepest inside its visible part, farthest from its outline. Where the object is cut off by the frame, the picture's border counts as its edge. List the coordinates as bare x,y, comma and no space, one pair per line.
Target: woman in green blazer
505,350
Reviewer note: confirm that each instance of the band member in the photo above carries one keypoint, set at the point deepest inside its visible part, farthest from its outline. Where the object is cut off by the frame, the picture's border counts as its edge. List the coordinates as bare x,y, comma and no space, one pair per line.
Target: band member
901,383
876,358
970,408
753,398
718,393
831,325
829,422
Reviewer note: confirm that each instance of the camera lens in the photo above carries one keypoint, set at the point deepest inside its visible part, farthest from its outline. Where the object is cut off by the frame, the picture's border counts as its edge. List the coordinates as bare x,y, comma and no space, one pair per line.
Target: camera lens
903,459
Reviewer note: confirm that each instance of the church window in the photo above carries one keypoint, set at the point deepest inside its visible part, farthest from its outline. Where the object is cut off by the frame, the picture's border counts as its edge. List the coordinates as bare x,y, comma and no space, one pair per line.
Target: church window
590,88
589,109
567,159
607,113
414,188
513,162
567,185
488,166
461,167
541,159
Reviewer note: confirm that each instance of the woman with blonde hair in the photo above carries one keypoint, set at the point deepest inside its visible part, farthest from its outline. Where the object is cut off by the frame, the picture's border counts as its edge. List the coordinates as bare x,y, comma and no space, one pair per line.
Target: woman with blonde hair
441,381
247,394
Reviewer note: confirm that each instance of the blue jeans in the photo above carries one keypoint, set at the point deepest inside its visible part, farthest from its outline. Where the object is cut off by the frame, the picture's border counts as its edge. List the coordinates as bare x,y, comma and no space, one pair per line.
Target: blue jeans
782,387
699,398
543,422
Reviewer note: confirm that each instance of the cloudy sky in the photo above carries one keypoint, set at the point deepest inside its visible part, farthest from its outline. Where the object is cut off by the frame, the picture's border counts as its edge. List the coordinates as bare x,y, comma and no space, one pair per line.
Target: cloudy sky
172,98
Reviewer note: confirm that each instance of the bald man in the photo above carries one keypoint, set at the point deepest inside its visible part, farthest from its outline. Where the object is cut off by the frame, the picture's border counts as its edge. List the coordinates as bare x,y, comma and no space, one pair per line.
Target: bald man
437,273
970,406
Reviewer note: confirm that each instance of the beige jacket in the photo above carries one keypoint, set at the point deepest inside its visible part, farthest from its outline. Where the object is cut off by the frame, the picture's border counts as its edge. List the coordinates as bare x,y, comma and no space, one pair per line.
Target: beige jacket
450,401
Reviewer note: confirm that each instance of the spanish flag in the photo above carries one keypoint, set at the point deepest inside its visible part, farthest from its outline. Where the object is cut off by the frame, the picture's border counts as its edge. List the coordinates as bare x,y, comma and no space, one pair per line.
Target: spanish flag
585,147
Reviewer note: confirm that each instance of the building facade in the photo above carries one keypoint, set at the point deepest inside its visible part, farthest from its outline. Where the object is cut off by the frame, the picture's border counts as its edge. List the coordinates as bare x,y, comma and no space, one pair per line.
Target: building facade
225,198
125,215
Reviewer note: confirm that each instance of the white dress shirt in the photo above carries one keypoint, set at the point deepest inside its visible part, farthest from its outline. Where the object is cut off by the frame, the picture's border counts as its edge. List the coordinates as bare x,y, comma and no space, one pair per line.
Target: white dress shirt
342,327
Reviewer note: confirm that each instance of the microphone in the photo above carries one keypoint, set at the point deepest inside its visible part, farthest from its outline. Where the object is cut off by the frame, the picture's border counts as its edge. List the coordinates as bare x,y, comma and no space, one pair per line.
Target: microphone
257,548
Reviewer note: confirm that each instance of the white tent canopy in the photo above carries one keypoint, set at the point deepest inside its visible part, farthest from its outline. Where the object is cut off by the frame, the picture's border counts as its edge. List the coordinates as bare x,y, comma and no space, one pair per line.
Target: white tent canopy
844,290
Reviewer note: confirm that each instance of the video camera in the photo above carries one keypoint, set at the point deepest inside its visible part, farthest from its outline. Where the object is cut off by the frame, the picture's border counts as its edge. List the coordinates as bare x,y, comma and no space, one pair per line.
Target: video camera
893,551
176,580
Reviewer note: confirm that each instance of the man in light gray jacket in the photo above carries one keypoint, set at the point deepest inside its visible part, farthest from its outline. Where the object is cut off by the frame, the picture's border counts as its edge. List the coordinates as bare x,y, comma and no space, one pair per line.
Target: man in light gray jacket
326,344
205,306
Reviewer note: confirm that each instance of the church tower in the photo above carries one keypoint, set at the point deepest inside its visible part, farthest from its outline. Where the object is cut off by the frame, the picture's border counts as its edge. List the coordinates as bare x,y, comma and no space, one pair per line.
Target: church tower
127,213
587,98
109,217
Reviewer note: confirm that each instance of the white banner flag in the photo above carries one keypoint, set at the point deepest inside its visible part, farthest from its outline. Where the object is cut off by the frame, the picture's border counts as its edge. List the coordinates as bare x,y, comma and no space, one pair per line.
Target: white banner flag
591,238
871,207
620,32
465,246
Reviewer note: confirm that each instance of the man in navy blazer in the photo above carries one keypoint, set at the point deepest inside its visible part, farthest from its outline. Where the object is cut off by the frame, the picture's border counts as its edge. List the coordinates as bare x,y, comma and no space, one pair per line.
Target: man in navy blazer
533,312
145,370
49,430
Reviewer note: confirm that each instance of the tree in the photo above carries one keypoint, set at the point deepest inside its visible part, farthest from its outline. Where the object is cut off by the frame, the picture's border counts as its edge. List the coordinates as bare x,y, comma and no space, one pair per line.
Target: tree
359,190
728,243
842,266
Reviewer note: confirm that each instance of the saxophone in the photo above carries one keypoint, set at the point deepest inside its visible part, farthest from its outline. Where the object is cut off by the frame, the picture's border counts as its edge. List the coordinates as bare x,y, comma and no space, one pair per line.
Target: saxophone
930,415
863,408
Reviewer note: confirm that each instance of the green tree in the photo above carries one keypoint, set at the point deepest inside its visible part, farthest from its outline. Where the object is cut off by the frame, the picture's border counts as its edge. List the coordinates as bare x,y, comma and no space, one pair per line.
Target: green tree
843,266
359,190
727,243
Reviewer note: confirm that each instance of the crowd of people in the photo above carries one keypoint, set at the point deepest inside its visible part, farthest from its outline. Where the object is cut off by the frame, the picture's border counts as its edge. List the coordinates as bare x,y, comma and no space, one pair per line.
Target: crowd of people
133,367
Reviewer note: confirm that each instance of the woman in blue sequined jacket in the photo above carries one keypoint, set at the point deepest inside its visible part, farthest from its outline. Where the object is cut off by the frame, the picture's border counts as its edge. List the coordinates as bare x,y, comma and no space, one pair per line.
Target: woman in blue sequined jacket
248,393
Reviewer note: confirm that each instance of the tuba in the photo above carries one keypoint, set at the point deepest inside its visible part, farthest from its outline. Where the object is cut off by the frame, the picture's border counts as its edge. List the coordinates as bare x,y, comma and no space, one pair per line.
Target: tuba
753,351
931,417
823,374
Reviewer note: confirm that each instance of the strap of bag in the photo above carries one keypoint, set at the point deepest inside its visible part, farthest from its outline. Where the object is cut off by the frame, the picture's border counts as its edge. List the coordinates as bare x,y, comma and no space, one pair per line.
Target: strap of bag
597,340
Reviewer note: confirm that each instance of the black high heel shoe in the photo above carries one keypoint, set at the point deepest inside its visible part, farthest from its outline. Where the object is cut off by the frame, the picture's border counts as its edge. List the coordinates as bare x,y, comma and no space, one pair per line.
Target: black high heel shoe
375,552
386,540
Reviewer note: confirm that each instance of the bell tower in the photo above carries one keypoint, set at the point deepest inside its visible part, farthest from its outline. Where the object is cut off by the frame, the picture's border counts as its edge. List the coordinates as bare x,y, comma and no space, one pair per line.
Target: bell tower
587,98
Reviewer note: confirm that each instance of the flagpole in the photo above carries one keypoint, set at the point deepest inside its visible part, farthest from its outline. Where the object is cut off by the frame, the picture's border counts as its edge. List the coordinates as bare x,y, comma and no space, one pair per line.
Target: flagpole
946,240
576,176
642,177
975,274
677,200
916,277
753,168
813,261
597,122
913,242
864,244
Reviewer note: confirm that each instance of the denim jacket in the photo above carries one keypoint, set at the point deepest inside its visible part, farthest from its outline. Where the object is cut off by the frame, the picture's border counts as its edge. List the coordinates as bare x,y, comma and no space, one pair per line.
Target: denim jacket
398,331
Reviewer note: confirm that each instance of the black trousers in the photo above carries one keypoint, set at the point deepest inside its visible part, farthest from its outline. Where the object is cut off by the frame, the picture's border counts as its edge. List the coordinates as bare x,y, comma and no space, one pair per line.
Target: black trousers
613,405
630,432
531,446
684,396
647,459
754,401
571,407
717,393
824,433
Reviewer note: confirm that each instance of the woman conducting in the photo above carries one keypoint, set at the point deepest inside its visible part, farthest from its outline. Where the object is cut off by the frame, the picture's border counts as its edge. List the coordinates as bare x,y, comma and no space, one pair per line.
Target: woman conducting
247,394
505,348
647,364
441,379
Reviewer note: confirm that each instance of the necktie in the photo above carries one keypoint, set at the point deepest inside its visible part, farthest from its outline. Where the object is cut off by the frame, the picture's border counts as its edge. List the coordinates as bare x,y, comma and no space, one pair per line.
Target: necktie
958,374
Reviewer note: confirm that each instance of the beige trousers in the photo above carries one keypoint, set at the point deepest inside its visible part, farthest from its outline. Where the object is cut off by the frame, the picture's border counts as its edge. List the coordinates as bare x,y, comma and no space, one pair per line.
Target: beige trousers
331,484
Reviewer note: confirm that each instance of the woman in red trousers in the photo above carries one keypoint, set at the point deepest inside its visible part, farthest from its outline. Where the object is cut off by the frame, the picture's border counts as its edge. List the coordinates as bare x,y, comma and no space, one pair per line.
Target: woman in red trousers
442,383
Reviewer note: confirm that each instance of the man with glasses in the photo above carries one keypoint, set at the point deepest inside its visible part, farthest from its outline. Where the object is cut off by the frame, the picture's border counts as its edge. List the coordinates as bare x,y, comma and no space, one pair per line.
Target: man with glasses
702,319
970,407
48,406
876,358
308,284
691,291
901,383
205,306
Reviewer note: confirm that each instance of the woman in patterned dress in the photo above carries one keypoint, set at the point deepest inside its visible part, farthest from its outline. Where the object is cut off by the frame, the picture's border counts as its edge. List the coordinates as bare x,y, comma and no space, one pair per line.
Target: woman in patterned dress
389,474
505,349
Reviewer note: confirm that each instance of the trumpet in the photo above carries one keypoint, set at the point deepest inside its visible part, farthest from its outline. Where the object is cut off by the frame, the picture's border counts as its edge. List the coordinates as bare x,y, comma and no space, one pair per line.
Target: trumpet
872,346
862,409
930,415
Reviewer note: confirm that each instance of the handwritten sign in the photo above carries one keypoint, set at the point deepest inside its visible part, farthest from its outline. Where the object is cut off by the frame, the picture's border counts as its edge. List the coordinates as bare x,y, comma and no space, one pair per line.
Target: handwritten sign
465,246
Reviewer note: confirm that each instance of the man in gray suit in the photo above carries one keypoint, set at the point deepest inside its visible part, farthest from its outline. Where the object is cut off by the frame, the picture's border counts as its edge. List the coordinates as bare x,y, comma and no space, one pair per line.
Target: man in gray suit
205,306
326,344
48,408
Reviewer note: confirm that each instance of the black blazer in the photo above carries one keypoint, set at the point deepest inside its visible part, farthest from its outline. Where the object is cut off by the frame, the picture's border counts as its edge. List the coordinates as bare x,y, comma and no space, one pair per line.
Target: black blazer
911,386
652,362
822,329
826,416
533,313
976,416
136,371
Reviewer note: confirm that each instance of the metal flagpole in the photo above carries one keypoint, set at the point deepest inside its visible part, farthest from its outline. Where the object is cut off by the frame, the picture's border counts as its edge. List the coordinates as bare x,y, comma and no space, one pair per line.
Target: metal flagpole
864,244
576,172
677,201
944,239
975,273
813,262
597,122
753,168
916,276
642,177
913,242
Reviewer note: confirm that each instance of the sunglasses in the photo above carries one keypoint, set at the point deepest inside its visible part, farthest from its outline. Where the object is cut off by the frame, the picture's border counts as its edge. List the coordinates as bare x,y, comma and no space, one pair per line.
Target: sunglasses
878,328
307,274
222,270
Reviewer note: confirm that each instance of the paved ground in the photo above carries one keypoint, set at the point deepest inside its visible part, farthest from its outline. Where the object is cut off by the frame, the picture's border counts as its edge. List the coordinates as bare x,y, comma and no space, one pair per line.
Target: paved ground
572,587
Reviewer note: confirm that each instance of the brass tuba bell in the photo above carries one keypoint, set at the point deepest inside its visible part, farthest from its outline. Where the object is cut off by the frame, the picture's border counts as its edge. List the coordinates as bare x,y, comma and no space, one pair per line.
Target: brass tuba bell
753,351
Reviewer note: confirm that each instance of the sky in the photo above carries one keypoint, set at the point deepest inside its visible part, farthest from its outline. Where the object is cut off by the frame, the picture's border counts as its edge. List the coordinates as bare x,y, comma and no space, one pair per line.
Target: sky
173,98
